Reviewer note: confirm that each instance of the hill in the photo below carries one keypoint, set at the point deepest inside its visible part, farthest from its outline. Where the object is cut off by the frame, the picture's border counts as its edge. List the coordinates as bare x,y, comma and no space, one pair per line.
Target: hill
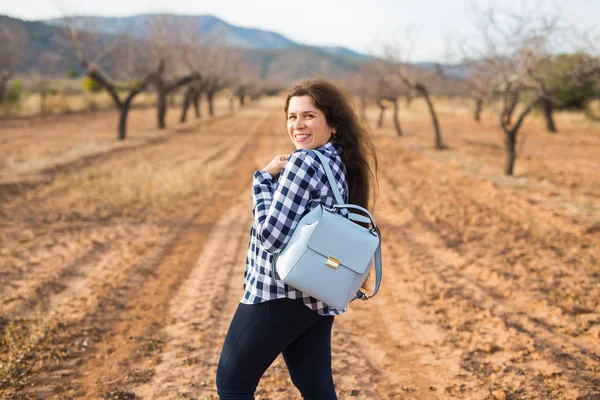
48,49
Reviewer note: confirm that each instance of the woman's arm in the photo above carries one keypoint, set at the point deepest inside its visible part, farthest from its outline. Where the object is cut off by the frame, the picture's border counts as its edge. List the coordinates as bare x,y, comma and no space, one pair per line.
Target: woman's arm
278,212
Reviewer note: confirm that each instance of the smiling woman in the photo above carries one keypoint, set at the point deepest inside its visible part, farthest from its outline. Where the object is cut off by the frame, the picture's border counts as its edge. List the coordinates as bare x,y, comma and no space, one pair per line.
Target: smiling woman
307,125
274,318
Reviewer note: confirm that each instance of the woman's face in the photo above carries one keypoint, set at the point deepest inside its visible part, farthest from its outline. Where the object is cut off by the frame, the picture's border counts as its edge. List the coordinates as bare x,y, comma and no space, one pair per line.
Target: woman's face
306,124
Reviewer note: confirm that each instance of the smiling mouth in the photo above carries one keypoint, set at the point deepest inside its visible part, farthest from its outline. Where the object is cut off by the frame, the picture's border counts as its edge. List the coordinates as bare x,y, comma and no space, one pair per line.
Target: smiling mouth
301,138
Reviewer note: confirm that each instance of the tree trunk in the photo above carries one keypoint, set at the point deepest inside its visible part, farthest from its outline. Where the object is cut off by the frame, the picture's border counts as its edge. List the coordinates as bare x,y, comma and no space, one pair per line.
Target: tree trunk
478,108
381,111
3,84
123,112
209,98
186,104
510,140
242,97
164,90
548,110
161,108
512,105
436,126
197,98
231,101
510,133
396,117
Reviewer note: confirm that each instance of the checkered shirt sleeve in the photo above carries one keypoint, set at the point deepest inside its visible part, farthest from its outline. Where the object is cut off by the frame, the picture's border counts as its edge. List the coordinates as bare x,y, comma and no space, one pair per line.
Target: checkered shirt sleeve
277,212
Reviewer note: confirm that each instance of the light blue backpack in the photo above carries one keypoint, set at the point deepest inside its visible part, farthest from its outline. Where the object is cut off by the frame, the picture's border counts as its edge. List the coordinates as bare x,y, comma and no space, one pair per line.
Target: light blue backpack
329,256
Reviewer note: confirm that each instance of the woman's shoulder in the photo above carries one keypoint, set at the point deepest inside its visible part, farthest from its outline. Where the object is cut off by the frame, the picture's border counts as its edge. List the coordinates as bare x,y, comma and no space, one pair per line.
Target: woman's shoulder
307,159
329,150
303,158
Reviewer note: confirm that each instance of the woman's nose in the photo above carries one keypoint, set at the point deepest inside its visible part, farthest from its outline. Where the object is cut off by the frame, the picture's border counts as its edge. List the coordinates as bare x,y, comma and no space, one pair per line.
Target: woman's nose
299,123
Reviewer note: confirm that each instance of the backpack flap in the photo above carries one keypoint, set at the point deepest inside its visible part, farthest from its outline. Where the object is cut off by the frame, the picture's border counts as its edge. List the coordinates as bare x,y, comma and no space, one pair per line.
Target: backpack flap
342,239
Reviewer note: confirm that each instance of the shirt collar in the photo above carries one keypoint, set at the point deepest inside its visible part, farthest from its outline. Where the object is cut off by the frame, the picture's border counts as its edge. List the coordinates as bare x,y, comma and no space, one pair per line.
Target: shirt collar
331,147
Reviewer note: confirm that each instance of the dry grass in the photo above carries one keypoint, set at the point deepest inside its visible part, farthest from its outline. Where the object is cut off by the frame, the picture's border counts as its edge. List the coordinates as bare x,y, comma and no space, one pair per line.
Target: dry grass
20,164
57,104
19,340
120,189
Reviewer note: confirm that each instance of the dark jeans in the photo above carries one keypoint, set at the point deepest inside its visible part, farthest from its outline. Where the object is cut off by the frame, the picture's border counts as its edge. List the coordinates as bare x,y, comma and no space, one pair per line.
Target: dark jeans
260,332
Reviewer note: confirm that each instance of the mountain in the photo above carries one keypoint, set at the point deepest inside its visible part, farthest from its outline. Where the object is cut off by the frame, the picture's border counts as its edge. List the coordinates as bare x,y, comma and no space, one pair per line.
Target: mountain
206,25
48,50
300,62
344,52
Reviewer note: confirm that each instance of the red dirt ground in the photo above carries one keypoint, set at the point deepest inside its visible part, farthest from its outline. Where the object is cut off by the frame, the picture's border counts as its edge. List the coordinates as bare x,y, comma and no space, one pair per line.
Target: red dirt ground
122,262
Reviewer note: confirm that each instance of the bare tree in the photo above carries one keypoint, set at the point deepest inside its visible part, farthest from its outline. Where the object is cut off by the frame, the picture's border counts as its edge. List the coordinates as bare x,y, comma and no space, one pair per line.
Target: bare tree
193,93
169,40
387,88
242,89
12,42
220,73
478,80
244,78
516,48
414,78
447,83
382,107
118,63
264,87
215,64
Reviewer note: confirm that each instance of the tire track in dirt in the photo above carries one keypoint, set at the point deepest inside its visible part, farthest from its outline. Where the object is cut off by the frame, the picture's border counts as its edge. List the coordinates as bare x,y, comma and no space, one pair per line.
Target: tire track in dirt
39,251
198,312
528,257
403,344
562,363
76,278
131,314
567,360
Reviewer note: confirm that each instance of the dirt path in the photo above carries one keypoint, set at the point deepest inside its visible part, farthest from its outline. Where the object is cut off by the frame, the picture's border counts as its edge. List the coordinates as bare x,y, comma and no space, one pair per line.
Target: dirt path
121,273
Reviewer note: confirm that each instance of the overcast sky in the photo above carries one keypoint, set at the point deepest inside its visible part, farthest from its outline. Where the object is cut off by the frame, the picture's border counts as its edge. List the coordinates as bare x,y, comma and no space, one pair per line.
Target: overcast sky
355,24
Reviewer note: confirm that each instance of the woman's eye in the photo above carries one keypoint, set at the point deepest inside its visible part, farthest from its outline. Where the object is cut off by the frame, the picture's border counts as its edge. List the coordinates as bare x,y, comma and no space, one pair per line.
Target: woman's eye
291,117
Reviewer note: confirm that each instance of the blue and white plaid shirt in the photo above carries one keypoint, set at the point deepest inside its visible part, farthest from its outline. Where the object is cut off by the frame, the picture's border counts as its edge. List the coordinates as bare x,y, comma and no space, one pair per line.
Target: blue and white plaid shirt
278,205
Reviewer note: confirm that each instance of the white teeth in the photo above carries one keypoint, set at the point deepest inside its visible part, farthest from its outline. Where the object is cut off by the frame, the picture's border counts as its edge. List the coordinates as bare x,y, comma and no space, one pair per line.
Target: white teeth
302,136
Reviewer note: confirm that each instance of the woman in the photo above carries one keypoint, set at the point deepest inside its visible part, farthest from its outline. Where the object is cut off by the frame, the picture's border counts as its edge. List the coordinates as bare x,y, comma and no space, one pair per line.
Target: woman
272,317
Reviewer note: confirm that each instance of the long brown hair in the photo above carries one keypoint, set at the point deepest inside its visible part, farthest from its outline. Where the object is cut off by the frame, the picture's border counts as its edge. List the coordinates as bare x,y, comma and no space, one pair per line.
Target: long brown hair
356,141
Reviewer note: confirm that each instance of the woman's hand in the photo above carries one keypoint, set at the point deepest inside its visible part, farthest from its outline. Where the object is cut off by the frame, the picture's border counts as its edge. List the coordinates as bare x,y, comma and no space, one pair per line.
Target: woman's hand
276,165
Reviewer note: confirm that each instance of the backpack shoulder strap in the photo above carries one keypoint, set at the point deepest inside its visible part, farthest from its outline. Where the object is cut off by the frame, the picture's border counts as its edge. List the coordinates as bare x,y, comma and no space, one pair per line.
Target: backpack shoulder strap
332,182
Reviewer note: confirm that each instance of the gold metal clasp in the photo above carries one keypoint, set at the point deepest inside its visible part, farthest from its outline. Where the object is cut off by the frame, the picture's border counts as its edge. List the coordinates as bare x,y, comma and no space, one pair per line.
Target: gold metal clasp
332,262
